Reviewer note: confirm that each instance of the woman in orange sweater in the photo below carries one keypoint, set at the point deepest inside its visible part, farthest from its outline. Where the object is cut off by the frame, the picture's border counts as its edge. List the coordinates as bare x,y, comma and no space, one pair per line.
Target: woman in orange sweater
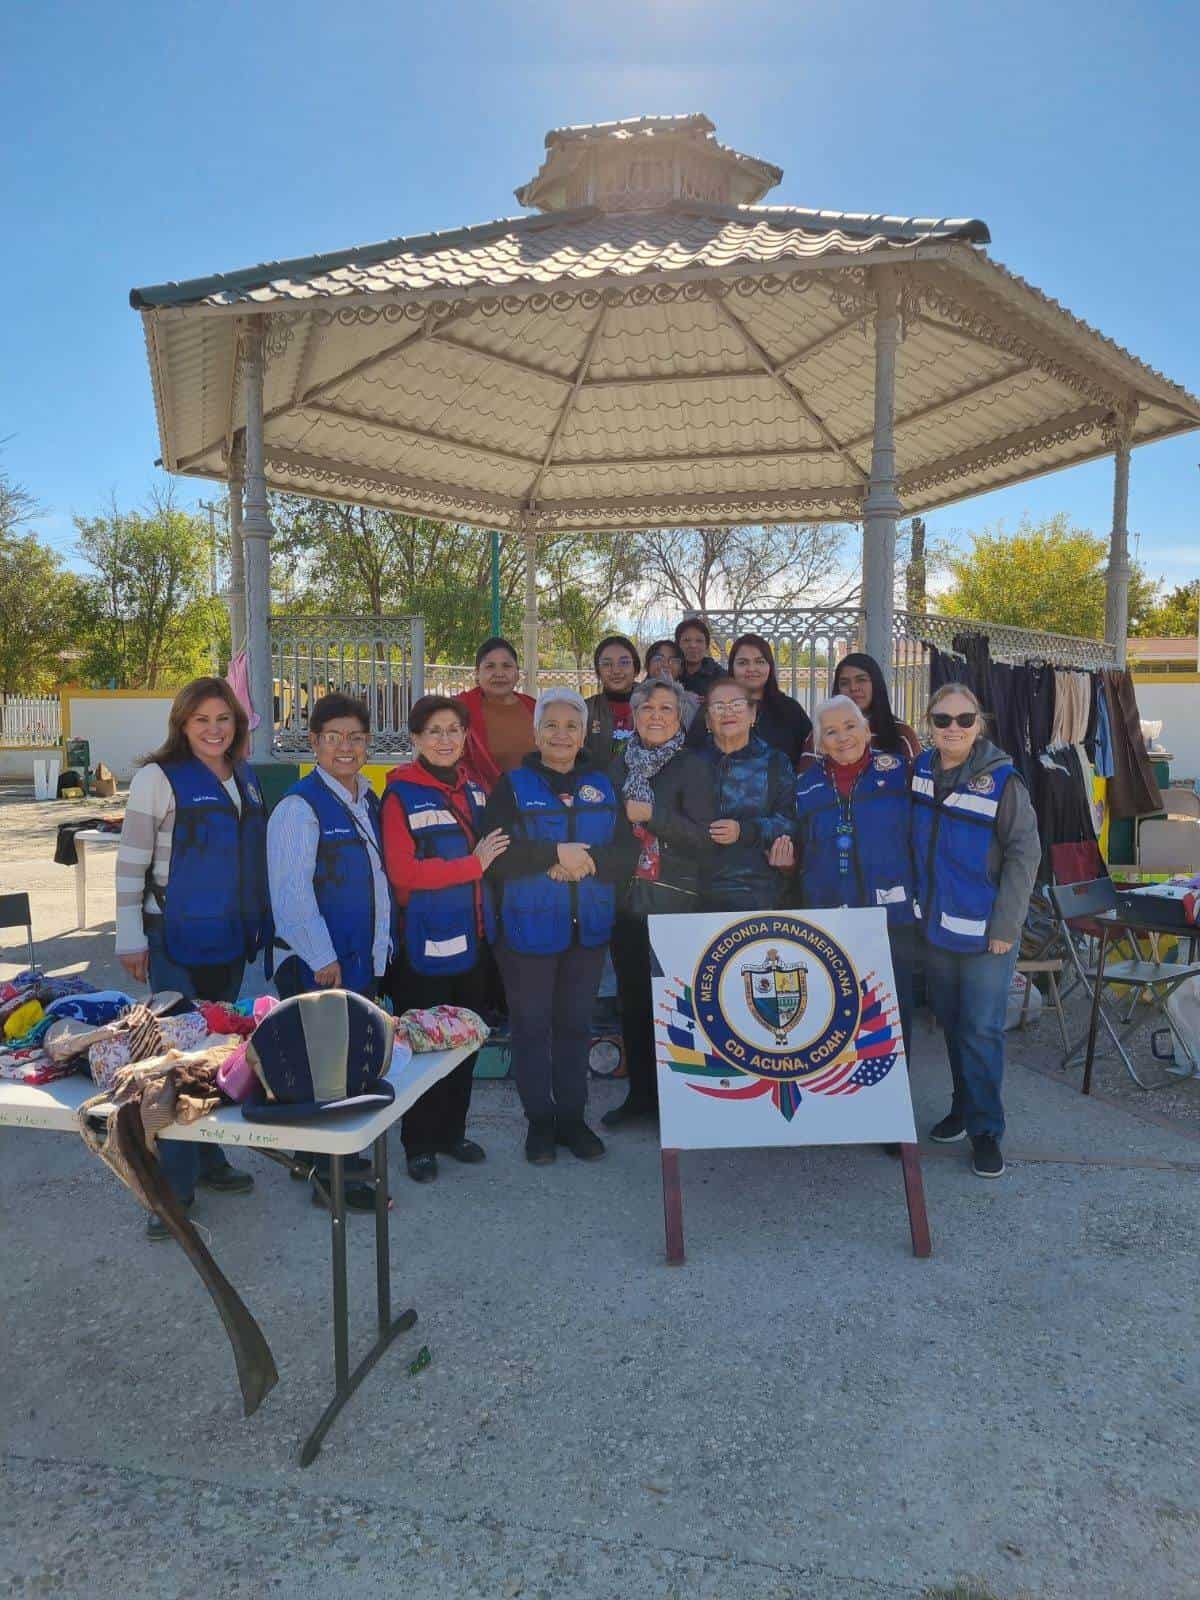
499,717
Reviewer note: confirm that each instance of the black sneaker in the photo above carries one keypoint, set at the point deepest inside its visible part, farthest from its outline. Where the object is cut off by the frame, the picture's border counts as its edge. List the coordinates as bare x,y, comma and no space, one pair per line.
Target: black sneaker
630,1111
580,1140
422,1169
466,1151
949,1130
988,1158
539,1144
156,1228
359,1197
226,1180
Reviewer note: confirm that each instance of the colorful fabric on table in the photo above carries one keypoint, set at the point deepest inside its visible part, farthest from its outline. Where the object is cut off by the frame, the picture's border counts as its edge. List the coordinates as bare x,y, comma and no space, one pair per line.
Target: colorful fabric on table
26,1016
104,1005
442,1028
226,1019
146,1036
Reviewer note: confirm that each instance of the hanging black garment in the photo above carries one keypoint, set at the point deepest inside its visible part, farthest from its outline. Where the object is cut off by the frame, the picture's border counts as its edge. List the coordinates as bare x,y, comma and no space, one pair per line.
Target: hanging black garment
1132,790
1041,704
945,668
977,654
1089,738
1059,799
1010,713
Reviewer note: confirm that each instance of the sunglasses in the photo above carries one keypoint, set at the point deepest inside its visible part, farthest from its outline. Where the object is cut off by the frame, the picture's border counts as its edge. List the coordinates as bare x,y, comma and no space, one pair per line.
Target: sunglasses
963,719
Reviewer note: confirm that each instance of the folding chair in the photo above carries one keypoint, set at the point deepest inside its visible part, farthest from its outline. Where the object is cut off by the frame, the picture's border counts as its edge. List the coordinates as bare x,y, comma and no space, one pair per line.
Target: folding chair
15,913
1159,979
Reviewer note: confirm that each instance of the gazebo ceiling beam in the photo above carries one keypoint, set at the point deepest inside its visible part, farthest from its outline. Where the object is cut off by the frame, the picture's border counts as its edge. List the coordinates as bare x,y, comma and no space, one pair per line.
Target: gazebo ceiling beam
923,413
528,368
651,380
1025,442
786,385
349,475
823,343
568,406
430,435
770,454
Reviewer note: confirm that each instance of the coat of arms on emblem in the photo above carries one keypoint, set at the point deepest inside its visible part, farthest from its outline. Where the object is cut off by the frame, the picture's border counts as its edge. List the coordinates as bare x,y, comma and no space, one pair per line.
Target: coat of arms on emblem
777,993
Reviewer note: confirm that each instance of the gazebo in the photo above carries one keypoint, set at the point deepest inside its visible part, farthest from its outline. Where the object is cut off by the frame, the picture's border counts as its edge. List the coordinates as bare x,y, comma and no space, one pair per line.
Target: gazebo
652,346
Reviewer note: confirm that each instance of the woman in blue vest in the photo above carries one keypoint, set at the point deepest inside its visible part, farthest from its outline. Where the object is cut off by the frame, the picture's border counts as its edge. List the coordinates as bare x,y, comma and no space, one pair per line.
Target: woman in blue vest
571,849
975,855
852,833
192,884
754,802
436,853
330,902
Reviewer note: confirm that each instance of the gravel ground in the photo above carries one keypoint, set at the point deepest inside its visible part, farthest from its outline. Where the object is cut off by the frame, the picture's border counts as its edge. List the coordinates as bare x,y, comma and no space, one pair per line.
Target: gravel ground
802,1410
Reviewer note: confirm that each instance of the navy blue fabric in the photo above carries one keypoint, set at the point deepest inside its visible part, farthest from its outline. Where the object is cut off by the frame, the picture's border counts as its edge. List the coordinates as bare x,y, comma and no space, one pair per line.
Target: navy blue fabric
343,880
756,787
541,917
215,908
441,929
951,837
280,1048
880,858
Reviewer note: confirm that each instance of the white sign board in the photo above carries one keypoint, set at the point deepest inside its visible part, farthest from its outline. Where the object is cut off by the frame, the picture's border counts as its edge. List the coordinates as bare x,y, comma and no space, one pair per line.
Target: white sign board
778,1028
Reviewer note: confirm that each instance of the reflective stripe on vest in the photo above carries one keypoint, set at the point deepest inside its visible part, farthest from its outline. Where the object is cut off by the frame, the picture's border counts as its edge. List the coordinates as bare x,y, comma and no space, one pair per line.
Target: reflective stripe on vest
441,926
539,915
880,861
215,903
951,840
343,879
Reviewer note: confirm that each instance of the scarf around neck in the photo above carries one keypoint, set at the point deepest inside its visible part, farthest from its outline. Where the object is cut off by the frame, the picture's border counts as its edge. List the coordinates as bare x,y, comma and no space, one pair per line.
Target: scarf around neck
643,763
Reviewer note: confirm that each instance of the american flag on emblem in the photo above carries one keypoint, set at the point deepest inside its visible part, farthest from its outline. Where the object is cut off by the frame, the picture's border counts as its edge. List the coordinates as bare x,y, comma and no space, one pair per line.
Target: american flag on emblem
876,1046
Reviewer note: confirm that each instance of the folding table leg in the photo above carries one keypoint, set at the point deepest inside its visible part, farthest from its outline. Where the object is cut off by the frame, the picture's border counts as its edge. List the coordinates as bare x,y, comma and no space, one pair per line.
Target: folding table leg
347,1382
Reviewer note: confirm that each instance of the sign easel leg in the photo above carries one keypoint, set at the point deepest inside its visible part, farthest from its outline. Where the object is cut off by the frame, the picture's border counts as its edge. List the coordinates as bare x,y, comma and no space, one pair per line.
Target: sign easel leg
914,1194
672,1207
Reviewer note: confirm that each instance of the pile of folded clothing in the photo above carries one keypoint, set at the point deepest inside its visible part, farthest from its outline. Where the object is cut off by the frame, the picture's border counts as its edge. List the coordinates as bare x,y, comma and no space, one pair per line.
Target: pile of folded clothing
29,1007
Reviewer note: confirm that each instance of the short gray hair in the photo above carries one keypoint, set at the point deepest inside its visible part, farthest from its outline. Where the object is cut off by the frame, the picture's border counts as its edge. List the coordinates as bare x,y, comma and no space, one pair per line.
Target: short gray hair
649,686
835,702
559,693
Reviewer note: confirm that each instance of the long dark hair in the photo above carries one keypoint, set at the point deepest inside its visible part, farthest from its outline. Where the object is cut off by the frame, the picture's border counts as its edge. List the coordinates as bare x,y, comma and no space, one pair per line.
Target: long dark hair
175,746
879,713
772,693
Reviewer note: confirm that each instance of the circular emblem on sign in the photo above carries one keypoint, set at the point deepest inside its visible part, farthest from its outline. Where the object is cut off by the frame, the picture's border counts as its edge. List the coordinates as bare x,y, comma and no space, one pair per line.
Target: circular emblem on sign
984,784
777,997
886,763
590,793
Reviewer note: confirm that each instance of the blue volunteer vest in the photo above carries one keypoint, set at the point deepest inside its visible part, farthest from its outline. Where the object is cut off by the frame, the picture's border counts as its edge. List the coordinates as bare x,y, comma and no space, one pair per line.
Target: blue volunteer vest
441,930
540,915
950,855
215,906
879,860
343,881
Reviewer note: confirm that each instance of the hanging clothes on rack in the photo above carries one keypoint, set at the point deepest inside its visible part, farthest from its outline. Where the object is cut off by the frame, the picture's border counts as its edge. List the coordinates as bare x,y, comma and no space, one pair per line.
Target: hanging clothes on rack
1072,706
974,649
1064,812
1010,686
1132,790
1041,704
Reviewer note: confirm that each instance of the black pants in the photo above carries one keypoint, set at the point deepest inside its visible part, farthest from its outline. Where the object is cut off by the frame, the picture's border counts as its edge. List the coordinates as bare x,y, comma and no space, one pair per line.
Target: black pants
550,1000
439,1118
631,961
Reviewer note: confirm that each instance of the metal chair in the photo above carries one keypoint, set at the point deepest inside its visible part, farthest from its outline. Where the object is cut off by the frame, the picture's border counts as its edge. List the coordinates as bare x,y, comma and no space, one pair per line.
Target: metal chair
15,913
1158,979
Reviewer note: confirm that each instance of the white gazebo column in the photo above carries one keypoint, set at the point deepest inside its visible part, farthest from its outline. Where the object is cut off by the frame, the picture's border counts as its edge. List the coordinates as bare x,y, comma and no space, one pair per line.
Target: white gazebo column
530,628
882,505
237,560
256,537
1116,586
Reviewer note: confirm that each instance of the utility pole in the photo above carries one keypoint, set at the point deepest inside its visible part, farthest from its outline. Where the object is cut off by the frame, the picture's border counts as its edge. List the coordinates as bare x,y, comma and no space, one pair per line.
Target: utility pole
212,507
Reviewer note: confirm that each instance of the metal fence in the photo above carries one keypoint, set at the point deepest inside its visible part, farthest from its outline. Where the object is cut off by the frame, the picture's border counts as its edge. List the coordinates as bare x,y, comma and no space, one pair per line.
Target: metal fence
30,719
377,659
442,679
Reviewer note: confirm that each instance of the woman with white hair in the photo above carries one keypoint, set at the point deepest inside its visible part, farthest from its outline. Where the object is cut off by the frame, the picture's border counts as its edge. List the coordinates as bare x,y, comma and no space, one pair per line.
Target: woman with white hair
571,848
852,833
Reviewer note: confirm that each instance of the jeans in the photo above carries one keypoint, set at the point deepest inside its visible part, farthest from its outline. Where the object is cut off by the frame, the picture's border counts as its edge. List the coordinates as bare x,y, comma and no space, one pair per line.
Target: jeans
969,995
550,1000
182,1163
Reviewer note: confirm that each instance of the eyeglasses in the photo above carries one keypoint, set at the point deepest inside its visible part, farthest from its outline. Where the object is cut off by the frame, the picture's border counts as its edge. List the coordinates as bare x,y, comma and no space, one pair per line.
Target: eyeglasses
733,707
963,719
356,741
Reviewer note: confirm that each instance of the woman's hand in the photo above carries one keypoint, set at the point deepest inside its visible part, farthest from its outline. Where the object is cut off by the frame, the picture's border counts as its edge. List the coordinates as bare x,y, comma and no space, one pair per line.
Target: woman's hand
576,861
490,846
782,854
137,965
638,810
999,947
329,977
726,830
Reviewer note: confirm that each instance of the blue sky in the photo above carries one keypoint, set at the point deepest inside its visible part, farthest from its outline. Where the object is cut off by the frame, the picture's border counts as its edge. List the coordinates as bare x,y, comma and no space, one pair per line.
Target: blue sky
153,142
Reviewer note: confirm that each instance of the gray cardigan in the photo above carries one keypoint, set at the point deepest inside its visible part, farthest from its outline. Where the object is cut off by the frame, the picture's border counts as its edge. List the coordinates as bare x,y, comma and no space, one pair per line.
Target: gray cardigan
1015,851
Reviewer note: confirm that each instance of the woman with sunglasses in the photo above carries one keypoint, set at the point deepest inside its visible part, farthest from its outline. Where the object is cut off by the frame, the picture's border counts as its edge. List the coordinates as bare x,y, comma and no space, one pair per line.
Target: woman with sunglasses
975,856
754,803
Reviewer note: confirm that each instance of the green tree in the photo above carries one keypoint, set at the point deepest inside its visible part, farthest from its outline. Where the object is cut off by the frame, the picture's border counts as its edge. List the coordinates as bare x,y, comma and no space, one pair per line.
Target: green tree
36,597
1175,616
147,616
1047,576
583,579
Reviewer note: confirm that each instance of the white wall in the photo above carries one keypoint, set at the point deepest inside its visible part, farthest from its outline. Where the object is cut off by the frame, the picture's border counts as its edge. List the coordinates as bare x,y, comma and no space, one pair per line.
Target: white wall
1178,707
119,729
16,761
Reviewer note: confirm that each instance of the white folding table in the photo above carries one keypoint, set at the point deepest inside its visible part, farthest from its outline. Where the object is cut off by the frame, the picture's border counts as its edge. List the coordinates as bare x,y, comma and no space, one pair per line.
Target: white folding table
84,840
54,1107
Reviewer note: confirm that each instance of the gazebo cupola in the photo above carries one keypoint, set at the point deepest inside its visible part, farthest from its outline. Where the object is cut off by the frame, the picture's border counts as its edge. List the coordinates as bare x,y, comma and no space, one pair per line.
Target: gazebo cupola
644,163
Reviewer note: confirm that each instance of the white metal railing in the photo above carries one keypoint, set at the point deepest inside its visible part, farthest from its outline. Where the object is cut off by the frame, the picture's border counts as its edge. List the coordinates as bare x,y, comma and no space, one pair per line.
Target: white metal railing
30,719
455,679
377,659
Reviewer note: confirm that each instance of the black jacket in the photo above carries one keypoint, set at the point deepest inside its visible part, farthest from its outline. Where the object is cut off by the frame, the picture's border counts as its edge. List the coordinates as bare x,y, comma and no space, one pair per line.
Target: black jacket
757,788
697,682
683,809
